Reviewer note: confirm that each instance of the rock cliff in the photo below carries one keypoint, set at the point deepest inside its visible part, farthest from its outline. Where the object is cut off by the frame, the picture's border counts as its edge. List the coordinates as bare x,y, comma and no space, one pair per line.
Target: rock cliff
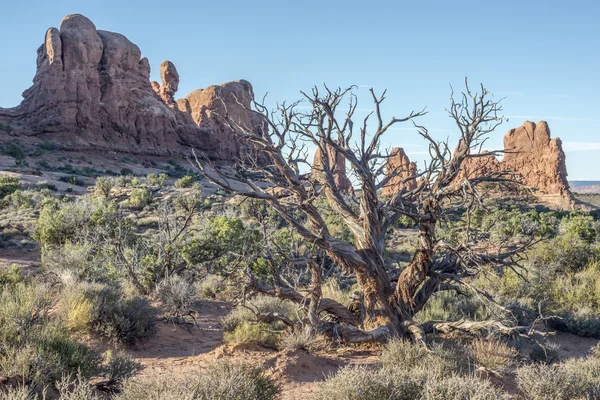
92,91
339,169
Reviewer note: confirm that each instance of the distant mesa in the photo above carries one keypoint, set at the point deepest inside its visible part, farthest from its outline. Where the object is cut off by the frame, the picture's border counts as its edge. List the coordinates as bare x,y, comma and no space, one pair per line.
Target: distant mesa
92,91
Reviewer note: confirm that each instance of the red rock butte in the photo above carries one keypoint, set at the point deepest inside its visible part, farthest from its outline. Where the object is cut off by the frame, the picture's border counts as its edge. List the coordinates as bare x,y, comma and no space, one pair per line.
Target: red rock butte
92,91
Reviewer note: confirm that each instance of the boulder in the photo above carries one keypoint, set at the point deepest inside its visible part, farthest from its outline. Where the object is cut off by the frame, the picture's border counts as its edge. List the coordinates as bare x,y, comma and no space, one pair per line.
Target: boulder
404,173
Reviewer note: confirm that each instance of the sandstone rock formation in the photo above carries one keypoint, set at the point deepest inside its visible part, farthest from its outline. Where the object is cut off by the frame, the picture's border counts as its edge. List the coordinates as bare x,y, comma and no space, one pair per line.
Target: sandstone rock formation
537,160
208,107
485,164
404,173
339,169
170,83
92,90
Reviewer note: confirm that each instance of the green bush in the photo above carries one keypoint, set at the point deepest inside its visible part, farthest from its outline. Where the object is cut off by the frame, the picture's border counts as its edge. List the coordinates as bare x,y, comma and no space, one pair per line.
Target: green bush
139,198
185,182
154,179
48,145
8,185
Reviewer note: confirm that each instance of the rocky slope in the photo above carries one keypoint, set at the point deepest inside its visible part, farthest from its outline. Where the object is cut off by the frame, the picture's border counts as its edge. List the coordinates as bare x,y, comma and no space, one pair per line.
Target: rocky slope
92,91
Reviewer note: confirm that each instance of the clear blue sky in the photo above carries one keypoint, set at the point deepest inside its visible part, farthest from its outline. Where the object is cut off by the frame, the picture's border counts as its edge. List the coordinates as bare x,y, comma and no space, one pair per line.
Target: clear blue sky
544,56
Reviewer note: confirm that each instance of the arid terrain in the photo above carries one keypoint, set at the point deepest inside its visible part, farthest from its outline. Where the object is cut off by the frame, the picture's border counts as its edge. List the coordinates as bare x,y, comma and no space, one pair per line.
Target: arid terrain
208,247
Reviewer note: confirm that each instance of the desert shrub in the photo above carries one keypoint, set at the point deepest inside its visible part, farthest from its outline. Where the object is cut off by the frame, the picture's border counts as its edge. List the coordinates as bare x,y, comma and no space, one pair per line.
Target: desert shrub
19,393
126,172
359,383
61,356
235,318
441,361
462,388
218,239
564,253
303,339
446,306
547,353
139,198
580,225
72,180
543,382
69,221
588,372
76,389
492,354
22,308
106,310
178,295
210,286
118,368
48,145
104,186
185,182
79,259
248,333
8,185
10,276
20,362
154,179
222,380
583,322
45,185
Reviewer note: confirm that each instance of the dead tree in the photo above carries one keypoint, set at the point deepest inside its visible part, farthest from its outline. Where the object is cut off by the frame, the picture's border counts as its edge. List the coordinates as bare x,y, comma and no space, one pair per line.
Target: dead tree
388,306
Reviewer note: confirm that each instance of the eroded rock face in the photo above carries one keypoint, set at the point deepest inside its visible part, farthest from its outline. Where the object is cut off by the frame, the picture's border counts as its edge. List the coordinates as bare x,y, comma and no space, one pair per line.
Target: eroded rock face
92,91
338,162
536,159
208,108
170,83
539,160
485,164
404,170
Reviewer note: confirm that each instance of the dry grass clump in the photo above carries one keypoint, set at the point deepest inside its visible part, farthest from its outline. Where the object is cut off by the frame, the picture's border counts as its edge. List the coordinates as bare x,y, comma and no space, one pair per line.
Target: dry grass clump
252,334
411,372
222,381
360,383
19,393
543,382
492,354
462,388
304,339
